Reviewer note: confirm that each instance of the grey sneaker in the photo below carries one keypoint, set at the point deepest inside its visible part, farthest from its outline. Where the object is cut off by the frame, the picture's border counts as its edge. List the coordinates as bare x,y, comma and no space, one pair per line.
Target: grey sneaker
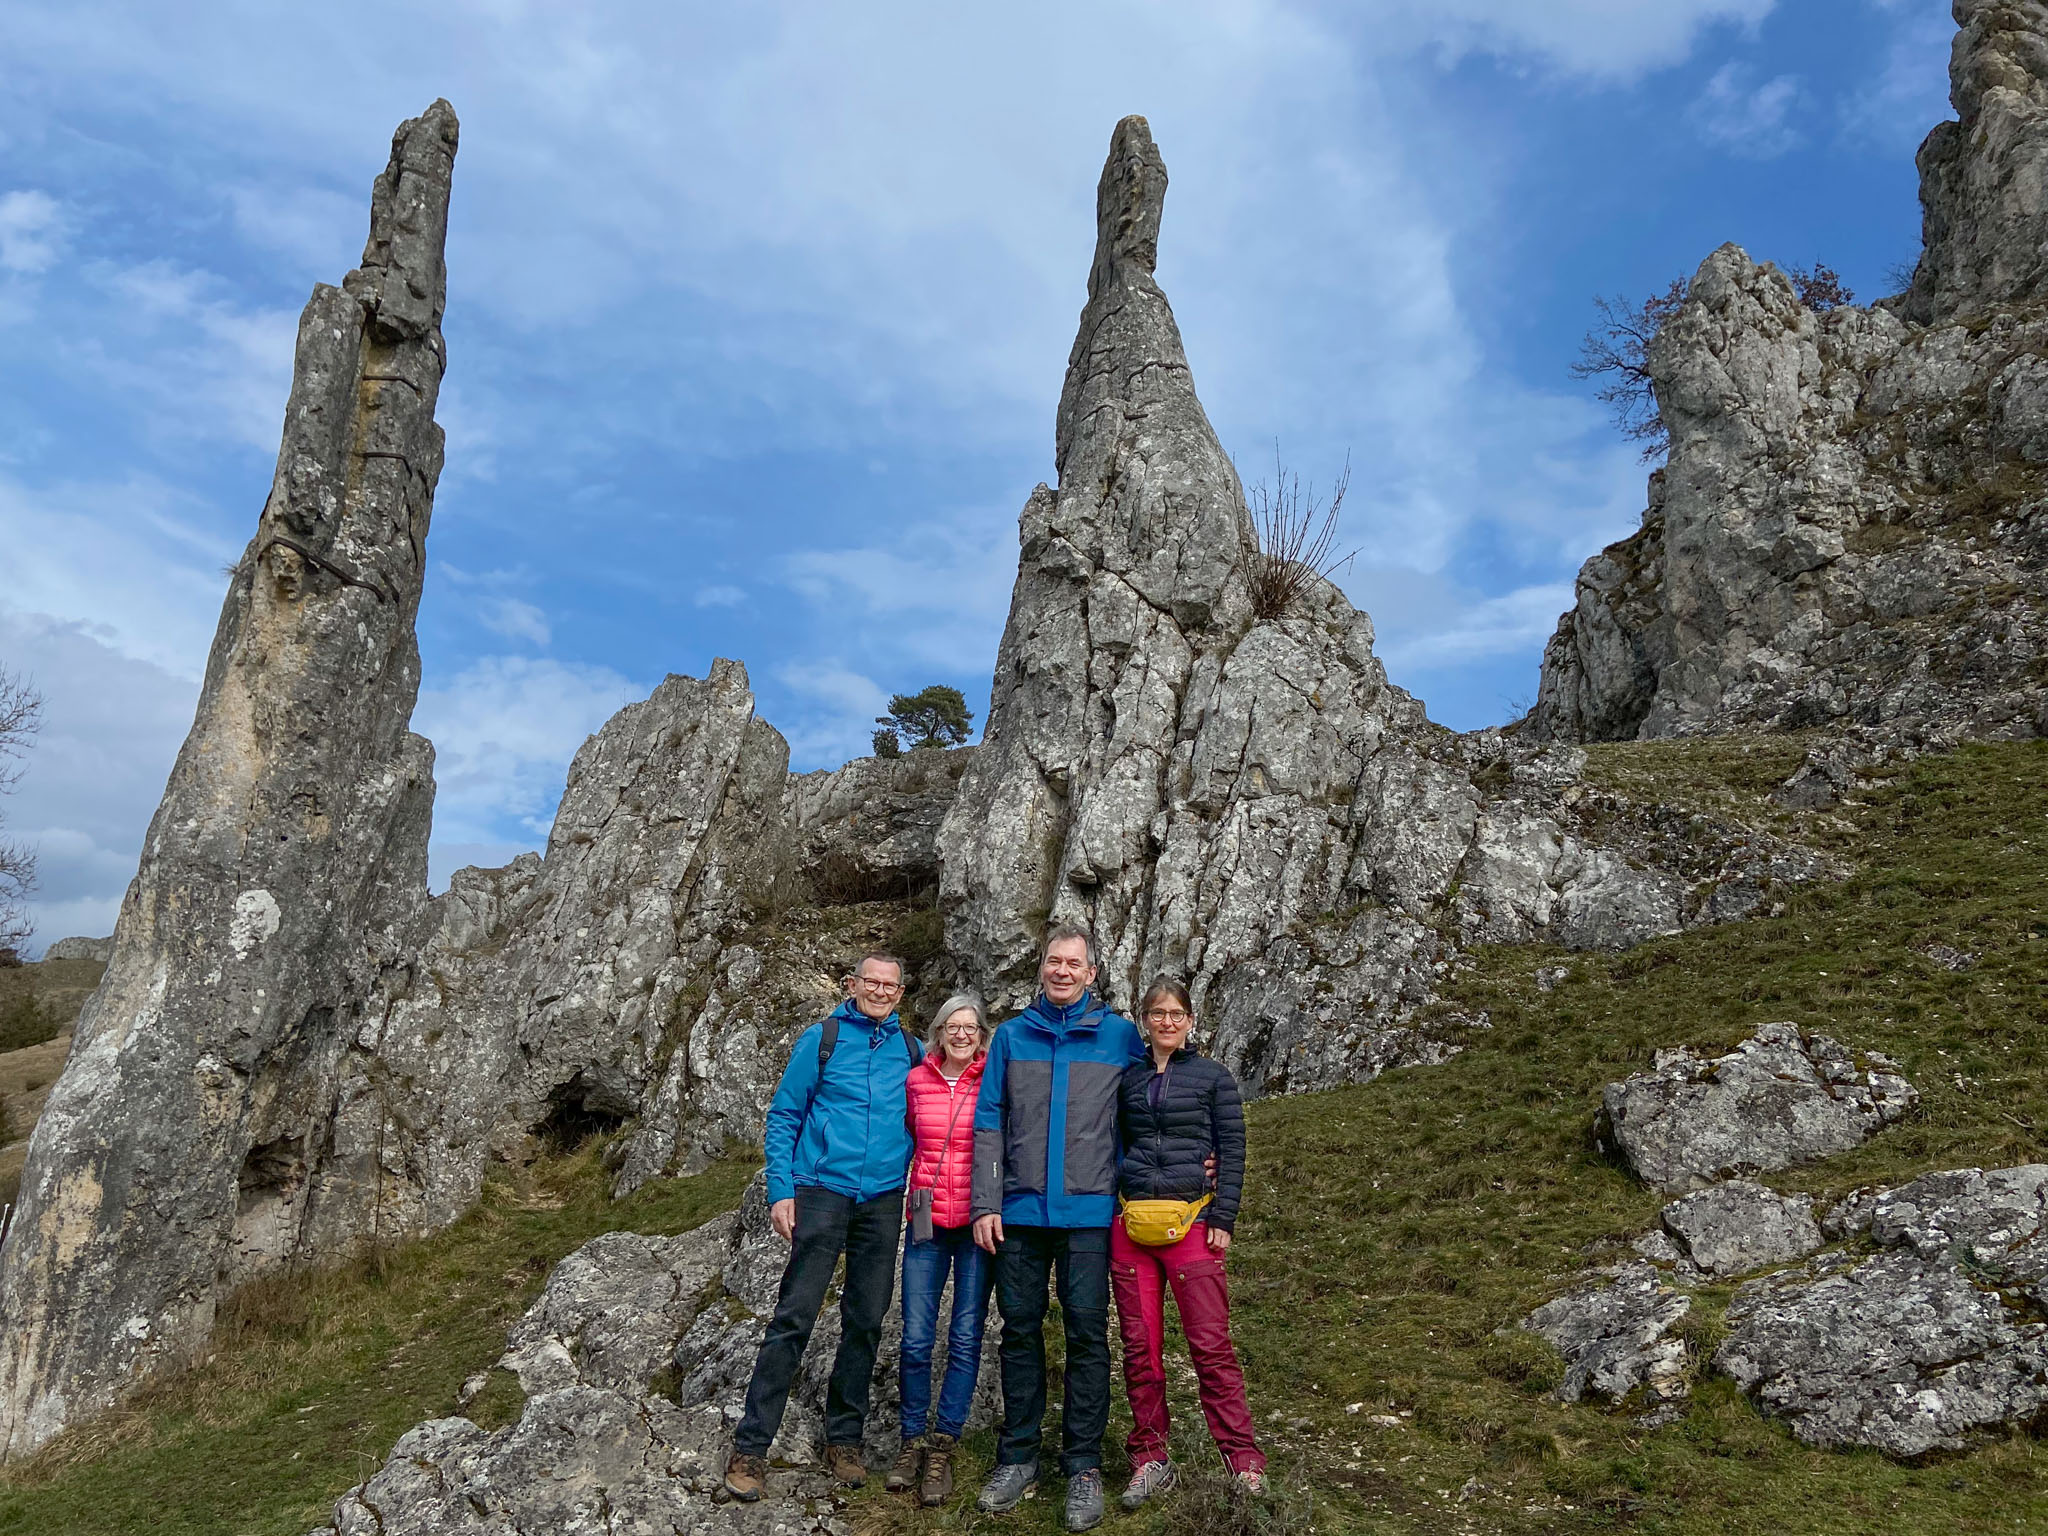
1084,1500
1007,1487
1153,1477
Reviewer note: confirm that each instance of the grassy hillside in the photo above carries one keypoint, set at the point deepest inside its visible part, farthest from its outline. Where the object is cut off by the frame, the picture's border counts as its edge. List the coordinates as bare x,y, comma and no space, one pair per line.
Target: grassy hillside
1390,1231
38,1005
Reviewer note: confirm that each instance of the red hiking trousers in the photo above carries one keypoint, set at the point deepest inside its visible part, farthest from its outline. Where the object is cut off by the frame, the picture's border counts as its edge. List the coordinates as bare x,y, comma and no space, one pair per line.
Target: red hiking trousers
1140,1276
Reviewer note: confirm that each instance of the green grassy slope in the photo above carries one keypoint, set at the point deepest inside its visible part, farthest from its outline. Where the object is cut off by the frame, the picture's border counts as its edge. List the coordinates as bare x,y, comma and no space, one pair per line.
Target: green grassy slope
1390,1231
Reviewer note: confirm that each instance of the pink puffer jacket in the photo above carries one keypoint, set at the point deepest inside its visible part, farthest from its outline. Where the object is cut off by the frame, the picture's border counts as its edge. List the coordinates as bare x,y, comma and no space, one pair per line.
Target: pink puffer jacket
945,1167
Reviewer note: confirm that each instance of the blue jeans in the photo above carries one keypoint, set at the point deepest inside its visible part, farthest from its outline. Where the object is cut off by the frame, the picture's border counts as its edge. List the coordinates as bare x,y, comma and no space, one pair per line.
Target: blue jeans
925,1268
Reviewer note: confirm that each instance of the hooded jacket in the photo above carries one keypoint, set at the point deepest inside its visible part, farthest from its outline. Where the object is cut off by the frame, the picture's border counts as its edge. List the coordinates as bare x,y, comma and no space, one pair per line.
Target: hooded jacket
845,1130
1045,1124
1165,1144
942,1124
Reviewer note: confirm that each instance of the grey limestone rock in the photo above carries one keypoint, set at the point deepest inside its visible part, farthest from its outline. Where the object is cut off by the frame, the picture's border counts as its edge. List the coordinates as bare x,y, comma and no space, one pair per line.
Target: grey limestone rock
1851,530
1779,1098
870,830
1218,793
1740,1226
597,1448
1614,1332
279,876
101,950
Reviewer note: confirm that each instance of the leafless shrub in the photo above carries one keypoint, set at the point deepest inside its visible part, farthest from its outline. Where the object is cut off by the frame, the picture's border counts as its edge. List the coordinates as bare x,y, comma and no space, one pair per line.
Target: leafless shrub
21,715
1617,351
1820,287
1297,538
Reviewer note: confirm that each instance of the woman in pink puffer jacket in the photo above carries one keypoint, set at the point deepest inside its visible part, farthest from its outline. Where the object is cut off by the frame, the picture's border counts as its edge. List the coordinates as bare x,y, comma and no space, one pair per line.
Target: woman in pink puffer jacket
941,1091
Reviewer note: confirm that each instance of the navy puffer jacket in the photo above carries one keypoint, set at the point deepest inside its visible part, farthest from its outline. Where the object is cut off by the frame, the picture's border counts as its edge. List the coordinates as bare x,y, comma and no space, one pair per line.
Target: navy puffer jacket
1163,1147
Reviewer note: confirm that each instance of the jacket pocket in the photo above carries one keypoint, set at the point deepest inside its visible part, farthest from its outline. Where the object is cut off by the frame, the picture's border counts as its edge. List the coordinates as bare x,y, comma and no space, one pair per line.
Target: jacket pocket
1028,1126
1091,1127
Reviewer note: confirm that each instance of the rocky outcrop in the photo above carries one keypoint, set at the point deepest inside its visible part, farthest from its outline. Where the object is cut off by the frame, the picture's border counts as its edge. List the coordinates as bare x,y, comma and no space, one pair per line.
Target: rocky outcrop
1614,1332
870,831
1740,1227
279,875
1778,1099
99,950
1937,1336
1852,528
1241,797
603,1441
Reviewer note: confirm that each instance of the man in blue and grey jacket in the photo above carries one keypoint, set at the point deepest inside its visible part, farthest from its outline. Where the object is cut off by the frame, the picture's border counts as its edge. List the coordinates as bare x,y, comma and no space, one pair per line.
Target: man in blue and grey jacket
1044,1196
838,1147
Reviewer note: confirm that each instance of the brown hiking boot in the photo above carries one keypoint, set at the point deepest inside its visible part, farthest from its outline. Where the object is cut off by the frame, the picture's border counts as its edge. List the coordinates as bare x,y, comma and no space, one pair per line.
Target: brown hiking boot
937,1486
846,1464
746,1476
904,1470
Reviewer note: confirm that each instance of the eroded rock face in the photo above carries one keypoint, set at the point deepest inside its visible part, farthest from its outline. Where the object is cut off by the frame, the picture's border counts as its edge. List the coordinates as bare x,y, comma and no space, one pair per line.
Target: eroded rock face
597,1447
1778,1099
1614,1331
870,831
1851,530
1205,788
100,950
279,876
1740,1226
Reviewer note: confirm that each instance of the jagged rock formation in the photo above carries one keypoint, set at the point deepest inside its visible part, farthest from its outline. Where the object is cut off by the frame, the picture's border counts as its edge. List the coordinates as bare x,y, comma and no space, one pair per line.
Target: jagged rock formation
1779,1098
278,875
870,831
1207,788
1851,529
1936,1336
600,1443
1737,1228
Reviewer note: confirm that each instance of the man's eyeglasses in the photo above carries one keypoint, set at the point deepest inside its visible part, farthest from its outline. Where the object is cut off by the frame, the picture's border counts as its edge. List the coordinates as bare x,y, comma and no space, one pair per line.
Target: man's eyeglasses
875,985
1162,1016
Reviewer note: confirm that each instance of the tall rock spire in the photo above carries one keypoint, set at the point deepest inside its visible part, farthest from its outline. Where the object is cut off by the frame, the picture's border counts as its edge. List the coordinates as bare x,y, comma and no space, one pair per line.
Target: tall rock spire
285,860
1131,580
1984,179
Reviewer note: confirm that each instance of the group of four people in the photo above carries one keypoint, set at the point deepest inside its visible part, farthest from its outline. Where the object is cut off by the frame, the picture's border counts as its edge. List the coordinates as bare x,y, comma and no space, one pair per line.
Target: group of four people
1062,1148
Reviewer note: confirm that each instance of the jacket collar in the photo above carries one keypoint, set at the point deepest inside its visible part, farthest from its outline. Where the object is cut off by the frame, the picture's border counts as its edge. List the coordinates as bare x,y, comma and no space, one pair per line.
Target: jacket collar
1085,1013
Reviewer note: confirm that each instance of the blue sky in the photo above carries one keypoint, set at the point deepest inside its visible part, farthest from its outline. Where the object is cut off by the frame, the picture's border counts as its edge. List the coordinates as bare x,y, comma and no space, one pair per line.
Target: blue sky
758,315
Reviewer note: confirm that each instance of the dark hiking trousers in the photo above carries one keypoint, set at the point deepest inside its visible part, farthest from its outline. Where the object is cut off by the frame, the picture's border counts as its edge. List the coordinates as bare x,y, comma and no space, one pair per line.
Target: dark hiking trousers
1077,1260
826,1225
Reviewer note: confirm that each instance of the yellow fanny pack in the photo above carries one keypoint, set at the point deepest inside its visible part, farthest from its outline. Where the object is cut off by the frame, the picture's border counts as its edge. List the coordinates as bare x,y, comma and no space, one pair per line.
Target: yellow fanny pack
1161,1223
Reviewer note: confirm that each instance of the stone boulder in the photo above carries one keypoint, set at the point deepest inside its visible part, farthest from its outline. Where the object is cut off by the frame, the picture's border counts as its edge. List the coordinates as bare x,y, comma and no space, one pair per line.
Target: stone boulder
870,831
1740,1226
599,1444
1614,1332
280,875
1778,1099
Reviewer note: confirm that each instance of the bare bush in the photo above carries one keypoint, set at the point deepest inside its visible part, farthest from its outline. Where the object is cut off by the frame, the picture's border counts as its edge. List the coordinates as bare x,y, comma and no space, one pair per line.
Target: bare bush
1616,351
21,716
1297,539
1820,287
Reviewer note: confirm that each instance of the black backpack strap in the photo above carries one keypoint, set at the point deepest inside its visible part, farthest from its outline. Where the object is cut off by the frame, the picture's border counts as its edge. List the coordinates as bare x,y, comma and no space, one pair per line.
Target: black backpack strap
828,1042
911,1043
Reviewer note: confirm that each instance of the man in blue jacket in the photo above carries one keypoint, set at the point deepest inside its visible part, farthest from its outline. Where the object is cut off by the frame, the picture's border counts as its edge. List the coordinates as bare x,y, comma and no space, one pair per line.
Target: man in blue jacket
838,1147
1044,1195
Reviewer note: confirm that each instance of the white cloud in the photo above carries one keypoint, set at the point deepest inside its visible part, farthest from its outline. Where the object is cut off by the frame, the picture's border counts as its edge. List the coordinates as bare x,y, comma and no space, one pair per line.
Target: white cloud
1744,118
513,619
1479,628
1909,94
1615,39
720,596
504,729
31,231
837,711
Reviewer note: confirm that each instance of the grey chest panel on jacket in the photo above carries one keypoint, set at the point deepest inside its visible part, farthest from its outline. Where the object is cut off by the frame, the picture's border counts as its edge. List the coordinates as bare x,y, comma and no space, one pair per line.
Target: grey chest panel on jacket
1027,1122
1091,1127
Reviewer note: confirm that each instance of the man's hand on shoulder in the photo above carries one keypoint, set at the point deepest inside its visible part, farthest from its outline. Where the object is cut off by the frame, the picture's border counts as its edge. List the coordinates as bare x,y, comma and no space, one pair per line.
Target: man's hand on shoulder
782,1216
988,1232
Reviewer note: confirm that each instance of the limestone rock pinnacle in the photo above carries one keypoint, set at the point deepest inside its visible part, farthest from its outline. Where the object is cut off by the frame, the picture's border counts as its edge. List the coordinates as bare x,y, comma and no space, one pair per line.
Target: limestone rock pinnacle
287,856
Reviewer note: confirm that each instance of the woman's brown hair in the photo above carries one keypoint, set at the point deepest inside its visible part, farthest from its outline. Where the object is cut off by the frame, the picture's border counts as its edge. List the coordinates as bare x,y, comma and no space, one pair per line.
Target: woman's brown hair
1165,986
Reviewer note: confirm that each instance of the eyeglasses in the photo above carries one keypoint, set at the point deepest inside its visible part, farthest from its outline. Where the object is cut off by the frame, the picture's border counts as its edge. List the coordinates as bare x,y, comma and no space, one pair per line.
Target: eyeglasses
1164,1016
874,985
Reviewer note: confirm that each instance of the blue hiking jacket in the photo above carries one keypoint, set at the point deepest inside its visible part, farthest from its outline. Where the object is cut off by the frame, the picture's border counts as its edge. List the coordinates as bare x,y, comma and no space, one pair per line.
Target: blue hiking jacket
1045,1124
846,1131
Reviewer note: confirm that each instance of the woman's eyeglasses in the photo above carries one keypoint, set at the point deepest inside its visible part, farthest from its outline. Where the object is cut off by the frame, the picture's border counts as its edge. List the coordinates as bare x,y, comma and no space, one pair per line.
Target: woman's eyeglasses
1163,1016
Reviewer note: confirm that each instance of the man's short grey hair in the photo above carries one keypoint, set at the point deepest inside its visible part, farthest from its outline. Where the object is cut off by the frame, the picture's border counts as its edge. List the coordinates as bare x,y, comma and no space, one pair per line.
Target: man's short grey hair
884,957
1063,933
935,1040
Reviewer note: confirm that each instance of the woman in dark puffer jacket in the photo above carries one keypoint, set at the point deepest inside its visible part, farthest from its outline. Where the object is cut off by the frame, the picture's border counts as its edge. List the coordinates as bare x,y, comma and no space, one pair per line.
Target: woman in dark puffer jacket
1175,1111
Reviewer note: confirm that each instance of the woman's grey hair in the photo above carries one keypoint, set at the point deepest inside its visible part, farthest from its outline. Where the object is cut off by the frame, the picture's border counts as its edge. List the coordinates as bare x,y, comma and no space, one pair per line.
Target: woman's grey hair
935,1038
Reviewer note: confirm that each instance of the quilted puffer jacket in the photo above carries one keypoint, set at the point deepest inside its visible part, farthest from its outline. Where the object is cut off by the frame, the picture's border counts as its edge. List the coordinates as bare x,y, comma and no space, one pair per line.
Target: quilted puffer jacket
942,1125
1164,1145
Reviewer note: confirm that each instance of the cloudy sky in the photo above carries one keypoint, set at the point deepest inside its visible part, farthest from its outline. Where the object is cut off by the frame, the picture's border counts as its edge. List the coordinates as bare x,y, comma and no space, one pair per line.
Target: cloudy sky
758,314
